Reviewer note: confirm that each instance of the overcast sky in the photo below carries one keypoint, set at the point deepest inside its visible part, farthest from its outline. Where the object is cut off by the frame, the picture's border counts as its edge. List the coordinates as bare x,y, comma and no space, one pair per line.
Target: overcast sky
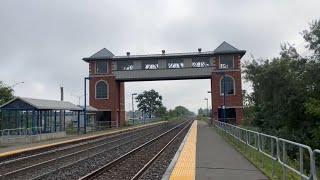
42,42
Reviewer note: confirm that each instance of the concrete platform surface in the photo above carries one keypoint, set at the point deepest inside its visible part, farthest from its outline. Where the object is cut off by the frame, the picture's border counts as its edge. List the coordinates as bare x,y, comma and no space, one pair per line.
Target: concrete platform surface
218,160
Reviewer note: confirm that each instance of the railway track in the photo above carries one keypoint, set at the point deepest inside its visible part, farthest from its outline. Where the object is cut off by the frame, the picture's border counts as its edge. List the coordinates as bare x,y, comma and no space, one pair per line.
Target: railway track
65,146
133,164
77,160
40,164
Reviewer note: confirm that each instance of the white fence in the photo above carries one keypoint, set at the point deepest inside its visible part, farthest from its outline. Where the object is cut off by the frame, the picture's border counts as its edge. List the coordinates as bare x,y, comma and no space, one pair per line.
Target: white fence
277,150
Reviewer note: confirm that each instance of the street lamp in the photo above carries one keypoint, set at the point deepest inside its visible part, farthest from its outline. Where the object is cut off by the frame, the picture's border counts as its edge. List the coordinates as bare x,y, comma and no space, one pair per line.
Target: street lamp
133,94
223,74
16,84
85,104
207,107
211,119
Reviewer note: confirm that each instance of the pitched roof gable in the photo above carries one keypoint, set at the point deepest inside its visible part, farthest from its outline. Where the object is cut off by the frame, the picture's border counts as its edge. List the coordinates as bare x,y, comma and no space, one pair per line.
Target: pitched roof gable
103,53
225,48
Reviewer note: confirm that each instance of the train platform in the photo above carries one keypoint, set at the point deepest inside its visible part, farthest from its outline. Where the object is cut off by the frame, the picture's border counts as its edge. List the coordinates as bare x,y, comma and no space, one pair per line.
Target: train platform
19,148
206,155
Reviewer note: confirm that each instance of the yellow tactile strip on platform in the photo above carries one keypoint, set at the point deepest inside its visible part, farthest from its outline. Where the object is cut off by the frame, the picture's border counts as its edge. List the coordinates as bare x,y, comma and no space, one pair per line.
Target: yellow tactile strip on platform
185,167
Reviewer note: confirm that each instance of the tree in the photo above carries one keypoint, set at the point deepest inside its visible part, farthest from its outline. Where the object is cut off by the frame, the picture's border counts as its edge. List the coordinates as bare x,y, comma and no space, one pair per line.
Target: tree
312,37
286,92
248,108
161,112
201,113
180,111
6,93
149,102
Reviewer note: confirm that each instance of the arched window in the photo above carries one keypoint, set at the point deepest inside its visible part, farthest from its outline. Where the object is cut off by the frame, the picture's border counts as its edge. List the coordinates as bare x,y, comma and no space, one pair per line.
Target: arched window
229,85
101,90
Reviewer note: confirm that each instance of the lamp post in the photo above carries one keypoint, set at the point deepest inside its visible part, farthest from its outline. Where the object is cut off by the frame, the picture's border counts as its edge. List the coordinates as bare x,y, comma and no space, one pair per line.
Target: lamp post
16,84
85,104
207,107
211,119
223,74
133,94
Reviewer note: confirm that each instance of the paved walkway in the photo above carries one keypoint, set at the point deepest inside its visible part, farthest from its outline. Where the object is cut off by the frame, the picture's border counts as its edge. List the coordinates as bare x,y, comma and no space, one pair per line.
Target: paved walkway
218,160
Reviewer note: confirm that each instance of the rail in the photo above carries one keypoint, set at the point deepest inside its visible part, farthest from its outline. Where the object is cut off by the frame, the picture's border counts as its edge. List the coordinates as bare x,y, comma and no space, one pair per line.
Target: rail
62,152
277,150
97,172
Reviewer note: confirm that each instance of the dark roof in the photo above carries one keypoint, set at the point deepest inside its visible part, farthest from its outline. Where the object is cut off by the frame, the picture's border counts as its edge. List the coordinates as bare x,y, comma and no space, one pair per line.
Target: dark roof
103,53
40,104
226,48
223,48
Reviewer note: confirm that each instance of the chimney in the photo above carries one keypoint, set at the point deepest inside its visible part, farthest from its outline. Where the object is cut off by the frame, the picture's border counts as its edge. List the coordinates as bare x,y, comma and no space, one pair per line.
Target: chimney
128,53
61,93
163,51
199,50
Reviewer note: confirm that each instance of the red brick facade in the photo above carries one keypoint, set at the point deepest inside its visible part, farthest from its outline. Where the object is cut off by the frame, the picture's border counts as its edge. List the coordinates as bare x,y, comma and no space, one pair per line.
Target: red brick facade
232,101
115,104
115,101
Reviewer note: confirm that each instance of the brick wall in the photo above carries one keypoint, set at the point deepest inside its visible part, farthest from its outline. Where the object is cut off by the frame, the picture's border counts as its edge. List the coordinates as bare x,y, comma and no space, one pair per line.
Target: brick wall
115,100
232,101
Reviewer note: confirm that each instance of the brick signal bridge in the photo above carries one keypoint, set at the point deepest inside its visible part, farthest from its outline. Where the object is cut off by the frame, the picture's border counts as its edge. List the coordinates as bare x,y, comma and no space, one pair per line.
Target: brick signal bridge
108,73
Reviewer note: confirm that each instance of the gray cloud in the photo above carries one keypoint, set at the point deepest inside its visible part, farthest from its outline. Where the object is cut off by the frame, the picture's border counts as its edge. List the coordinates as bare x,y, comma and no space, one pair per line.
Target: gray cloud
42,42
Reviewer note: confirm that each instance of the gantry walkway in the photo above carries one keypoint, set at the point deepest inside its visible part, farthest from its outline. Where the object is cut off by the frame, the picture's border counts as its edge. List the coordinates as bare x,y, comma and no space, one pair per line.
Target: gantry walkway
214,158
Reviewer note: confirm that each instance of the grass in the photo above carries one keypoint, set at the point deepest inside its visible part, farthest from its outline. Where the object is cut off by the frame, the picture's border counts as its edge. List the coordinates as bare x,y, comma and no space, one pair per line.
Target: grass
272,169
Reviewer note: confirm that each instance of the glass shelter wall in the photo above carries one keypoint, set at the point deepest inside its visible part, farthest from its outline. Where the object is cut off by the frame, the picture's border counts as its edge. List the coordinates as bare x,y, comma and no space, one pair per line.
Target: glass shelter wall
31,121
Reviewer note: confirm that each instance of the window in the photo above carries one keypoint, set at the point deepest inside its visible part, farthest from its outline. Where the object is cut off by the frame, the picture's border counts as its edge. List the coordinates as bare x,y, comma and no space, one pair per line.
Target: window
125,65
101,90
150,64
175,64
229,85
226,62
201,62
230,115
101,67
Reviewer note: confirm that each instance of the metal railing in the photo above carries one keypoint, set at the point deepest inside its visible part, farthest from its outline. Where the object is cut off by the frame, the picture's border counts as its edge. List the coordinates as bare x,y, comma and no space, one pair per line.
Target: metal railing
277,150
268,147
101,125
21,131
316,174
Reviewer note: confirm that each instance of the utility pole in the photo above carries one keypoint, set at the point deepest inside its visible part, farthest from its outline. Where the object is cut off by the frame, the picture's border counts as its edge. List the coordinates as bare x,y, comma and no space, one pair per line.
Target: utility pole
61,93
